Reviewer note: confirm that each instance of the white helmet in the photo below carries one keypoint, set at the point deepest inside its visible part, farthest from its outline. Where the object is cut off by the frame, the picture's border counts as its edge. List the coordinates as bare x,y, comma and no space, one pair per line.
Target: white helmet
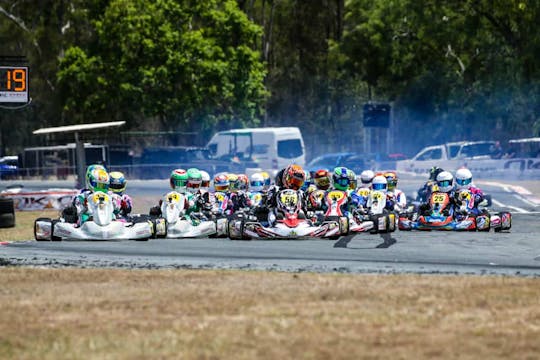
205,183
367,176
463,178
379,183
445,181
256,182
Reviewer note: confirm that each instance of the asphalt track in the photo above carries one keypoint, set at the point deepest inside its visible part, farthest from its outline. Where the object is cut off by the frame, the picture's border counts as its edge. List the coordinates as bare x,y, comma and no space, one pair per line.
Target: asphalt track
513,253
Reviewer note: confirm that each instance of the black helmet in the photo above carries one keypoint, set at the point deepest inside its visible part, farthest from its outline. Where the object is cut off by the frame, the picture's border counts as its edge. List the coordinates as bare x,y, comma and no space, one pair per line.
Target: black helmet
434,172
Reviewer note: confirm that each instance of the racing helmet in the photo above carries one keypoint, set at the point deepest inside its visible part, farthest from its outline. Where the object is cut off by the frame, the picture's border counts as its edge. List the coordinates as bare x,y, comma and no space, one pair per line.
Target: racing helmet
243,182
205,177
366,177
256,182
322,179
445,181
178,180
435,170
234,183
391,179
294,177
267,180
463,179
117,182
194,180
379,183
97,178
352,177
221,182
341,179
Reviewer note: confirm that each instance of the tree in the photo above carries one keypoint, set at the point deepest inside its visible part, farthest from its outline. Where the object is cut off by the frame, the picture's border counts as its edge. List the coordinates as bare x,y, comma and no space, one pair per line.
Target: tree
189,65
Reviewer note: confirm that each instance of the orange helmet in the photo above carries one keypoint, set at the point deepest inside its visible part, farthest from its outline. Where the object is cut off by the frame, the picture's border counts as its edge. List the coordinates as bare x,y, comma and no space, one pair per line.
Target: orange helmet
294,177
221,182
243,182
322,179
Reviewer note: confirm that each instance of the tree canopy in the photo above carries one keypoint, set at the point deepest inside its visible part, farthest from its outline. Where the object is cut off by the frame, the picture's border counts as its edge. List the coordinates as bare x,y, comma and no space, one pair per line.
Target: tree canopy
452,70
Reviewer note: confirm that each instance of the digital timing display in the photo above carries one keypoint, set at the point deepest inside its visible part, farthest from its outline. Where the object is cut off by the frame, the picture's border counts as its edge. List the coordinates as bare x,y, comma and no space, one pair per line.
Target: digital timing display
13,84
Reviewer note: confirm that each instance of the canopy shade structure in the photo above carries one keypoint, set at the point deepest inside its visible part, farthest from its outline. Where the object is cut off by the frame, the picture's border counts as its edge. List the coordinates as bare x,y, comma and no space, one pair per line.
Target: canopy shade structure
76,129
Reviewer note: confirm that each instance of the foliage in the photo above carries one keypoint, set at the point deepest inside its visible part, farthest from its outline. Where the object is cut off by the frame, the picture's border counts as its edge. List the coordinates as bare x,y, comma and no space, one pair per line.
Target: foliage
187,64
452,69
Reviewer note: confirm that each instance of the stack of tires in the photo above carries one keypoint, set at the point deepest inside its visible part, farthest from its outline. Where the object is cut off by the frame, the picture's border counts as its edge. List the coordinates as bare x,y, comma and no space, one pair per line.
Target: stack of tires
7,212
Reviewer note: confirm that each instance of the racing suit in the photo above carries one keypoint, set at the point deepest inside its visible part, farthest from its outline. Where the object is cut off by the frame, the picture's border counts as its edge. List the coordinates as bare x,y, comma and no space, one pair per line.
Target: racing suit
478,197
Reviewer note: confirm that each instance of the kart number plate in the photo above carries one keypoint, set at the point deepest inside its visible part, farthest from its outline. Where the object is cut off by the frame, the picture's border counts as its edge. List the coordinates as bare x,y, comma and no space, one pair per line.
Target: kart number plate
173,197
100,197
364,192
439,198
336,195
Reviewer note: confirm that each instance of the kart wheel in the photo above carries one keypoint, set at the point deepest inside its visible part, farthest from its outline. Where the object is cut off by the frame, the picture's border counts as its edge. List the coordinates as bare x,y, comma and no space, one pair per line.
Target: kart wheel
40,220
231,230
391,222
375,219
159,228
344,225
54,238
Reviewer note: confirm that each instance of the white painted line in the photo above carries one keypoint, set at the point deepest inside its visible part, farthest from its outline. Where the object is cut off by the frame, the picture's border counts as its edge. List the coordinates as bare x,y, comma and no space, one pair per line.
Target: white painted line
500,204
524,200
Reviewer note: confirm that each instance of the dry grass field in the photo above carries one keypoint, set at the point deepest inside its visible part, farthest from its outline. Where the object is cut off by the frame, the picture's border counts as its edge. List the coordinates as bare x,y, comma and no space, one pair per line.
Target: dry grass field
184,314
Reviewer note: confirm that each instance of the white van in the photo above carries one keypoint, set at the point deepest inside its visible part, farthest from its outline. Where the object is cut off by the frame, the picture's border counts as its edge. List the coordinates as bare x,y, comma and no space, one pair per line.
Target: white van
271,148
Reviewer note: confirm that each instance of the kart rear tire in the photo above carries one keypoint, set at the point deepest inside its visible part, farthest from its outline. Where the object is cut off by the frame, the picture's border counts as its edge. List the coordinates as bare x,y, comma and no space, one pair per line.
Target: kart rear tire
154,229
54,238
242,236
7,213
375,219
391,222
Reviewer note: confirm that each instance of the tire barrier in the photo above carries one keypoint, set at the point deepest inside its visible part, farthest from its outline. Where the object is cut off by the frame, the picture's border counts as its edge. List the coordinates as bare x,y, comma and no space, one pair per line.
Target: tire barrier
7,213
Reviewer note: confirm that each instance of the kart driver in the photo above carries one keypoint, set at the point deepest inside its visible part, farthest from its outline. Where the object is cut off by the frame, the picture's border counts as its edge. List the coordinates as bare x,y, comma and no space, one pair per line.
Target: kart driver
97,180
464,181
123,204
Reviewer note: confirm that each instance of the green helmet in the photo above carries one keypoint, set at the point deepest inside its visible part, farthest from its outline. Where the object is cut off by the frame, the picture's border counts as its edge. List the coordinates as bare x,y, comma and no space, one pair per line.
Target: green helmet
194,180
97,178
178,180
341,179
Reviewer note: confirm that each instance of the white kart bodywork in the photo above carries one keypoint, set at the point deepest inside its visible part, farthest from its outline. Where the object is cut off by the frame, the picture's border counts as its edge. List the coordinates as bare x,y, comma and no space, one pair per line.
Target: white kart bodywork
378,220
102,225
173,209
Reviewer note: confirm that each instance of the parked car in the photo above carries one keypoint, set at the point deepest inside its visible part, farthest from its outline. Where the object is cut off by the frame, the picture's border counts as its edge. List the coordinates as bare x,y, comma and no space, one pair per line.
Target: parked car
9,167
329,161
357,162
158,162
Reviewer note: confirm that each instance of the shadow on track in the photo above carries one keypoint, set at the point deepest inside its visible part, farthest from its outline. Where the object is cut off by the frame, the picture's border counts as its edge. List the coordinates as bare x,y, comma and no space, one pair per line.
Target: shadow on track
388,241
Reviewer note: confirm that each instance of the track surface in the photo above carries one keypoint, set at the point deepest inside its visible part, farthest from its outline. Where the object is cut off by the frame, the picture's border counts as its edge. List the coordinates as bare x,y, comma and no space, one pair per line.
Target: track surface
513,253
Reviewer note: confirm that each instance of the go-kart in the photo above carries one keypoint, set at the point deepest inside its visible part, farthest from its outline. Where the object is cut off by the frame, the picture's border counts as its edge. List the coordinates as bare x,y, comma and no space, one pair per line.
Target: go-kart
331,211
287,222
462,217
180,225
374,217
102,225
